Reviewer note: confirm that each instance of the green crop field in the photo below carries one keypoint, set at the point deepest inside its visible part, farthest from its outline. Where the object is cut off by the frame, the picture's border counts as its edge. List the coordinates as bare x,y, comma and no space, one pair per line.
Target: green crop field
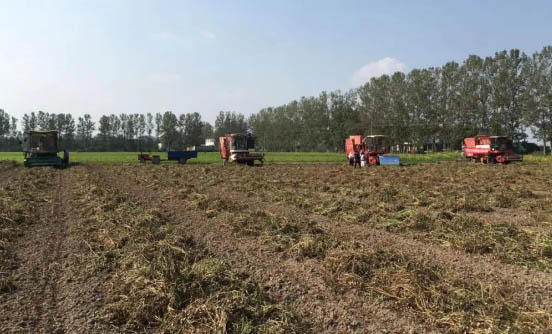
271,157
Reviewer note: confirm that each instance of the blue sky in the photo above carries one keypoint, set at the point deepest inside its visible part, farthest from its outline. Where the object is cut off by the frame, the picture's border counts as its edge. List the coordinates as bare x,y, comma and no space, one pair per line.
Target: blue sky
102,57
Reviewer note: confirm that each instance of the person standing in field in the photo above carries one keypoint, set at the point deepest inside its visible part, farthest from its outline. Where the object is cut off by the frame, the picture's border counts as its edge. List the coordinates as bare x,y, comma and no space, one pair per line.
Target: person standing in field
357,159
362,159
351,158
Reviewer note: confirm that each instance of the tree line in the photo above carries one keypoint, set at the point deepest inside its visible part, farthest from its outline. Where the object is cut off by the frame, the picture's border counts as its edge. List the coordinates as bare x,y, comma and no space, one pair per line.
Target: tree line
123,132
509,94
505,94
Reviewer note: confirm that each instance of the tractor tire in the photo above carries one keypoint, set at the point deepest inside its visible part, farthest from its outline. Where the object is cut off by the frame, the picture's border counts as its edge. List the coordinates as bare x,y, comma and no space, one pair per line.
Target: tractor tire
65,160
250,163
489,159
182,161
500,159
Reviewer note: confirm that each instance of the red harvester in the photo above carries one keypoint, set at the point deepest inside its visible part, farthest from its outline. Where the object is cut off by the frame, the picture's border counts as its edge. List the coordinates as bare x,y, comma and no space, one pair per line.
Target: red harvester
235,147
373,147
490,149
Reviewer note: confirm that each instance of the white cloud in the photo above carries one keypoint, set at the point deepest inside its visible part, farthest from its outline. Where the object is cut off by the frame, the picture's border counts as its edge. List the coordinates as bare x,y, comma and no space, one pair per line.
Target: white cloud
383,66
209,35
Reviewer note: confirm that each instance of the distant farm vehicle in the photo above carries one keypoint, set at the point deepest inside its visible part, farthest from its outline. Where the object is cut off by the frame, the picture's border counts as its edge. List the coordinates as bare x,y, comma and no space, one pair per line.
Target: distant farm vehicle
490,149
143,157
40,148
373,147
181,156
235,147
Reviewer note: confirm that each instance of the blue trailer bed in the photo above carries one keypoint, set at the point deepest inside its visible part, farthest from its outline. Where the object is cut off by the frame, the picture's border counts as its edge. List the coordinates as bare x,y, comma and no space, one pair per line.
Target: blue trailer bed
181,156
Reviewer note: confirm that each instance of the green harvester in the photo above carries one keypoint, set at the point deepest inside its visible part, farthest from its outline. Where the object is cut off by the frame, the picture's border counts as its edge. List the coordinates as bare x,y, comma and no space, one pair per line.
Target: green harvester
40,148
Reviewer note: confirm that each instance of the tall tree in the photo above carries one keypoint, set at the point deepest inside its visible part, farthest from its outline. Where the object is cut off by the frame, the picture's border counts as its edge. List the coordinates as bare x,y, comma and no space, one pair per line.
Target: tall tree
33,122
168,130
85,128
4,124
105,130
508,82
538,103
193,128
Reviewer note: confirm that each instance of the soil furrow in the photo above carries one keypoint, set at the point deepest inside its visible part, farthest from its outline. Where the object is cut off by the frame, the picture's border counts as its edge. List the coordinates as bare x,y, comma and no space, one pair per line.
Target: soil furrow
300,285
50,285
470,267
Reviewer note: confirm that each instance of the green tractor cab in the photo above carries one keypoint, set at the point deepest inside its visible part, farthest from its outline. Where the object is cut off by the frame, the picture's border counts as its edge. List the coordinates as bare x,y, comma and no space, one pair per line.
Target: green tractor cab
40,148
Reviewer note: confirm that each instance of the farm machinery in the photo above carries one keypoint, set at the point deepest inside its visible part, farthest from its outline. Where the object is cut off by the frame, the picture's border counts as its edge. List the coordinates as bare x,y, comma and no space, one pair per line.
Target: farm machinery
40,148
180,156
490,149
236,147
373,147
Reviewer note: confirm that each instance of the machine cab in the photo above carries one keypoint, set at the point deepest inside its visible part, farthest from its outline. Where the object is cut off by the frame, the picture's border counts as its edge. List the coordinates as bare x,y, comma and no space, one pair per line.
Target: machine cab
494,143
241,142
499,143
236,147
40,142
375,144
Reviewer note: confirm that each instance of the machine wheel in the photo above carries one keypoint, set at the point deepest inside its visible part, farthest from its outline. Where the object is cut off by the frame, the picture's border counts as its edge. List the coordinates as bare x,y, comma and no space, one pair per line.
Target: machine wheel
65,160
372,161
250,163
489,159
182,161
261,161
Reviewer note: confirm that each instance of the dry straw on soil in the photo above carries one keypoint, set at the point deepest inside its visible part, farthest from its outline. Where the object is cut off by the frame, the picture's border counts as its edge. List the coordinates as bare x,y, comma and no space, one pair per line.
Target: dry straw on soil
160,278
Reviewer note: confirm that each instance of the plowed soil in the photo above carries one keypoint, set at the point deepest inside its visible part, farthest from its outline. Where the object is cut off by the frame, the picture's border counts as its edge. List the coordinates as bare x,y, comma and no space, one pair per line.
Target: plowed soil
303,248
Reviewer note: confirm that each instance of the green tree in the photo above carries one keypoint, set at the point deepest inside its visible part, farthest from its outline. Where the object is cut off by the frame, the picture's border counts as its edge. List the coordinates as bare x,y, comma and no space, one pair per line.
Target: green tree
508,77
538,106
229,122
168,130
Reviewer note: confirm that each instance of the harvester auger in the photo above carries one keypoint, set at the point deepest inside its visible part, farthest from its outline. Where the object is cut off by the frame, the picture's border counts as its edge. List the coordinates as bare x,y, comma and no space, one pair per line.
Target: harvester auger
490,149
40,148
235,147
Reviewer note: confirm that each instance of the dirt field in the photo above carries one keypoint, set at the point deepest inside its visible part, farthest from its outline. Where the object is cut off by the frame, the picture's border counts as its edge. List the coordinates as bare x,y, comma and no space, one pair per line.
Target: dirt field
304,248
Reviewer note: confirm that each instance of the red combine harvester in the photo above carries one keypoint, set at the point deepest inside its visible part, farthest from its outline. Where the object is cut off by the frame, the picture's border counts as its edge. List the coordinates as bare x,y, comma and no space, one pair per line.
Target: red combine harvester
490,149
373,148
235,147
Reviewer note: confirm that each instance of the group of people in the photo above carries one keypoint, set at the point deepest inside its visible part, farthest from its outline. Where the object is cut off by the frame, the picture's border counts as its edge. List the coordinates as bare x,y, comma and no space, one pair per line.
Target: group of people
358,158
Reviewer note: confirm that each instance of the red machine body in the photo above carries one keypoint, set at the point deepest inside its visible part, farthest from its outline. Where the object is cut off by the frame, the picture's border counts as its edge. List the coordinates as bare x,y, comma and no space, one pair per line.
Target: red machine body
372,146
490,149
234,147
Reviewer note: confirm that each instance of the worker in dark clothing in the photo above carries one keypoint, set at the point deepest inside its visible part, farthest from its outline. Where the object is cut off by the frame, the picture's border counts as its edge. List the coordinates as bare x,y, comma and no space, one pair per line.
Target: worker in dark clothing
357,159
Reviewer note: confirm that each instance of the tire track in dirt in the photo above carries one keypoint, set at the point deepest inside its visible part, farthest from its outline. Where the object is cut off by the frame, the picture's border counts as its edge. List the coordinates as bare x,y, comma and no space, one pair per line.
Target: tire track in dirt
300,285
34,301
47,299
24,308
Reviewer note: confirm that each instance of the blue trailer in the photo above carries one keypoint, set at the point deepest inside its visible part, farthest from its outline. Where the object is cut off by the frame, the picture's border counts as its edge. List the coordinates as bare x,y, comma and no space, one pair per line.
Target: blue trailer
391,160
181,156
